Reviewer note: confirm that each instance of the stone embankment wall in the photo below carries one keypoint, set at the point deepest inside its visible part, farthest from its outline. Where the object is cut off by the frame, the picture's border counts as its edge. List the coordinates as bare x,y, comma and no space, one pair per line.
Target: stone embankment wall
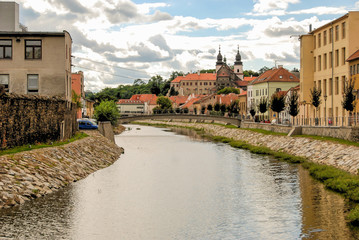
26,119
32,174
338,155
347,133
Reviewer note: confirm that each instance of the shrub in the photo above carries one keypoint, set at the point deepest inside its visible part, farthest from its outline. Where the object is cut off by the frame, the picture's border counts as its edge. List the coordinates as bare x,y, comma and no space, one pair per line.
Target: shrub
107,111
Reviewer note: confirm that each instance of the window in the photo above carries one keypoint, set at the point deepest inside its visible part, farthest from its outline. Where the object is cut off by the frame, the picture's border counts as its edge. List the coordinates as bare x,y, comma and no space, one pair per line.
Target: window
343,56
351,70
343,84
330,59
315,42
357,69
319,63
5,49
325,61
32,84
330,86
319,40
330,35
343,30
336,32
4,80
325,38
337,58
315,64
325,86
320,85
33,49
336,85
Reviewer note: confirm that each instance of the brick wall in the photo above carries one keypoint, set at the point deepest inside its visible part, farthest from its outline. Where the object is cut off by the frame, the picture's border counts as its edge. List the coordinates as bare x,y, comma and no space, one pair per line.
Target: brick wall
28,119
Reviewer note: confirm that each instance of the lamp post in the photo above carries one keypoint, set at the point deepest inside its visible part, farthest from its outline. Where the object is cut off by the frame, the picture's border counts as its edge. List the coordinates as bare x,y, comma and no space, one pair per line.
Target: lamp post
325,109
304,102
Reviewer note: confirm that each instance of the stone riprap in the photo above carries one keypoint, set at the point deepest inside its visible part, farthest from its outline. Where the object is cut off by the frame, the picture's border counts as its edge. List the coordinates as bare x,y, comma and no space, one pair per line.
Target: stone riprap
338,155
32,174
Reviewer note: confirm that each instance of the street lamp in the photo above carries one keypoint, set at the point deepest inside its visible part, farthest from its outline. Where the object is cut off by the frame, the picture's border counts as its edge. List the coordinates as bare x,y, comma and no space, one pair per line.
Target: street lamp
304,102
325,109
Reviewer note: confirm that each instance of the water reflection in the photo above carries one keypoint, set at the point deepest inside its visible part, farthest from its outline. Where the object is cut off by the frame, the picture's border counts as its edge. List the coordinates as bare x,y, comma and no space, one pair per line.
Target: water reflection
166,186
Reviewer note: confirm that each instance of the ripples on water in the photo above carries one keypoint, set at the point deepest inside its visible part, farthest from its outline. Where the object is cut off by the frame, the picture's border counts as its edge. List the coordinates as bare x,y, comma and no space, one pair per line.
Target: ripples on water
169,186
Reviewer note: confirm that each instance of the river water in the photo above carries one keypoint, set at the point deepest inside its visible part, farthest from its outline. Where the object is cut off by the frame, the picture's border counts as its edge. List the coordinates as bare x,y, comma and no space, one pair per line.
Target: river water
171,186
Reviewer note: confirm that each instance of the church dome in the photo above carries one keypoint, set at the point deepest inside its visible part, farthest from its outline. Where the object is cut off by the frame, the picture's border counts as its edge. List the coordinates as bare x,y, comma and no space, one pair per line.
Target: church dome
219,56
238,58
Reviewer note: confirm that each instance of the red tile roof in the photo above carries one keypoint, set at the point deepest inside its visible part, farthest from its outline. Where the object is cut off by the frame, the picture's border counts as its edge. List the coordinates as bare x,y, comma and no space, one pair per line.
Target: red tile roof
243,93
242,83
276,75
177,79
227,99
151,99
248,79
196,77
179,99
354,56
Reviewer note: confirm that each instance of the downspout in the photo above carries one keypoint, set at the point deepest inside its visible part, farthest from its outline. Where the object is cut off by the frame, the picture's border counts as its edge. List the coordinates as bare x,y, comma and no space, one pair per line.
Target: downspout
332,115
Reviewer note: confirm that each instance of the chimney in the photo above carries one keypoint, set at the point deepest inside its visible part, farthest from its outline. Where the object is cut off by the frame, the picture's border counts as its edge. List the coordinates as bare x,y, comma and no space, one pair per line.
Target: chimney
280,66
310,27
199,72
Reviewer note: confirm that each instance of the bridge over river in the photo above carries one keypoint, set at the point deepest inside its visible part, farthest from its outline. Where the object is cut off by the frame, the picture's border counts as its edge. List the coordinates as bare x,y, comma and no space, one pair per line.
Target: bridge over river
190,117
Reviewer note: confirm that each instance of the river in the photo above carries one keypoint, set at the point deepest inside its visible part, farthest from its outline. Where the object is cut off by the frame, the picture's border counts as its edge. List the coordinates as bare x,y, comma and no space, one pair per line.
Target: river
175,185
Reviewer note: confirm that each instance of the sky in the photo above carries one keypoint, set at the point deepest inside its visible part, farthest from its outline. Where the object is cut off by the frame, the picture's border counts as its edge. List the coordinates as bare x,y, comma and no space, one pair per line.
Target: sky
118,41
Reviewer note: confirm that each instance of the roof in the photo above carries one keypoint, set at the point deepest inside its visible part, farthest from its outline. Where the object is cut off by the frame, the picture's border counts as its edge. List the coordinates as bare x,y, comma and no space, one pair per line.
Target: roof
196,77
151,99
179,99
354,56
248,79
227,99
177,79
329,23
242,83
129,101
276,75
32,34
244,93
190,102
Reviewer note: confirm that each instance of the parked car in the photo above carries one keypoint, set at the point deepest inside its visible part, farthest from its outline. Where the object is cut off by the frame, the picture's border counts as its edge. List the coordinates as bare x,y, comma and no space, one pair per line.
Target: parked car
86,124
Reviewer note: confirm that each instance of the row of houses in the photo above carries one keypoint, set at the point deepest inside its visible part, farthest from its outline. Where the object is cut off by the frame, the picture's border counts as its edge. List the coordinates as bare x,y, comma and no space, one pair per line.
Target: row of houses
38,63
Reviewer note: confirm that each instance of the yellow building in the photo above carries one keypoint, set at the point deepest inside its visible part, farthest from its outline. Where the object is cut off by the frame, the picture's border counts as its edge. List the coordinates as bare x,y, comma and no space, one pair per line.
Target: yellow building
354,76
323,54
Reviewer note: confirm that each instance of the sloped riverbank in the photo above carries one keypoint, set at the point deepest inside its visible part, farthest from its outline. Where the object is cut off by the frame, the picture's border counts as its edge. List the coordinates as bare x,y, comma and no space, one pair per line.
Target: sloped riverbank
329,153
32,174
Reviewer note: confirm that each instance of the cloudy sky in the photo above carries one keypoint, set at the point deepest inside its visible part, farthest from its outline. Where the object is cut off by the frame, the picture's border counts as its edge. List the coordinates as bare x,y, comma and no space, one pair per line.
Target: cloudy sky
117,41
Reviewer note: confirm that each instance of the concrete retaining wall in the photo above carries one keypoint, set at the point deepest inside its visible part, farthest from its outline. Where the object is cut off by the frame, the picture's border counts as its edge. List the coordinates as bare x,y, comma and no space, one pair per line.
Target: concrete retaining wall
267,126
105,128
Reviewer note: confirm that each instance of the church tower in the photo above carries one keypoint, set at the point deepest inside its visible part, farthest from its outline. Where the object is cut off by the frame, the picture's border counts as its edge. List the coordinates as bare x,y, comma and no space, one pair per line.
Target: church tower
238,66
219,62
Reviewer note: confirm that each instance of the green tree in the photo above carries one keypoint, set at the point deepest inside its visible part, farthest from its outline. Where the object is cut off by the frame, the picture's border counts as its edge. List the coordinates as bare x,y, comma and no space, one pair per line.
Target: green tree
349,97
223,108
217,107
248,73
173,92
228,90
76,99
293,104
263,105
277,103
315,94
208,71
209,107
252,111
233,108
164,103
107,111
263,70
203,109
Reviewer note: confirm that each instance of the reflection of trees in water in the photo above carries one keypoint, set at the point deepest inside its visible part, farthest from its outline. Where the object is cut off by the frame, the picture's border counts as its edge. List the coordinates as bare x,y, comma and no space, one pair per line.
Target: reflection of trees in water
48,217
188,132
323,211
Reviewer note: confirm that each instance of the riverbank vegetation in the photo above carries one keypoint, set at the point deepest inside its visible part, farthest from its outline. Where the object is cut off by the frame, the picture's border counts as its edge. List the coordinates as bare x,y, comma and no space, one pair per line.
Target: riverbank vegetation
333,178
77,136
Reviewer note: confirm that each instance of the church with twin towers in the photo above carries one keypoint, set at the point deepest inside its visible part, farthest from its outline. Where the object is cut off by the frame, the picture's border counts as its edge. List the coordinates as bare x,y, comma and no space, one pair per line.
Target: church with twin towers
209,83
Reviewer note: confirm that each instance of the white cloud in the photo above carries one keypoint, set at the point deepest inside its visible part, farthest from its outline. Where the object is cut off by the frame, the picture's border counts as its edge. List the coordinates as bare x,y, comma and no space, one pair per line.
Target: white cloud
265,6
321,11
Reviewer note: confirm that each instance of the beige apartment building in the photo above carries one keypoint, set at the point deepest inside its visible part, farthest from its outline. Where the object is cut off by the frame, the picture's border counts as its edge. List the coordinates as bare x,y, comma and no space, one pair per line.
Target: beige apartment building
354,76
37,63
323,55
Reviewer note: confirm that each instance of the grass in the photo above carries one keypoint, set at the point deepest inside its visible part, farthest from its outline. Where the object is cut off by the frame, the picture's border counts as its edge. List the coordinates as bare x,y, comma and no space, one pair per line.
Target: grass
77,136
265,132
333,178
330,139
